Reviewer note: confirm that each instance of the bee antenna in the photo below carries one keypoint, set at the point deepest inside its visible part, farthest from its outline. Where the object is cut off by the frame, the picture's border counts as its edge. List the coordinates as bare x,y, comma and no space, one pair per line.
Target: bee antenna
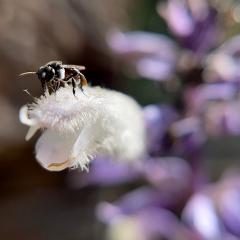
26,73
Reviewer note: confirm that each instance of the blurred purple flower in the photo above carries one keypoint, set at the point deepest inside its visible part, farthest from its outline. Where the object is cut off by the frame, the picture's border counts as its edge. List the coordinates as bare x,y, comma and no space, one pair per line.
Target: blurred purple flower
171,178
193,22
105,172
147,224
201,215
223,64
214,212
198,98
223,118
158,120
227,198
154,68
152,55
189,135
216,105
169,174
130,203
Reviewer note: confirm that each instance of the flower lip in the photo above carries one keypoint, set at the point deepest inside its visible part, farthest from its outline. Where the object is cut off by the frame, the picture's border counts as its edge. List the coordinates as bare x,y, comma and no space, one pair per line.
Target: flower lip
58,166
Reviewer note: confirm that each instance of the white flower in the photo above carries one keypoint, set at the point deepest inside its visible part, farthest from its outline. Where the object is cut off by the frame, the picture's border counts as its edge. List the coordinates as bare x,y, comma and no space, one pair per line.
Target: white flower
78,127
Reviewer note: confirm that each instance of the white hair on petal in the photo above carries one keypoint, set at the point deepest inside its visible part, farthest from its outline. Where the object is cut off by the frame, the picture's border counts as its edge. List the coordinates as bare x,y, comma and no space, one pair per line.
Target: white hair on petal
77,127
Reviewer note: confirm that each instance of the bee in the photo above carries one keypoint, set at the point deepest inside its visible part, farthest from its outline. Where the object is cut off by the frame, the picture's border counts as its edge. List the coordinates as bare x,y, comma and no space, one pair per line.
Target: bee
55,74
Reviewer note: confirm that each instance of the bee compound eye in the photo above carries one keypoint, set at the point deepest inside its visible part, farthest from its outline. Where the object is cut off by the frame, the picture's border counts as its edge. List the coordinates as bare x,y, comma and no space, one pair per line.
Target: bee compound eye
43,74
46,74
50,72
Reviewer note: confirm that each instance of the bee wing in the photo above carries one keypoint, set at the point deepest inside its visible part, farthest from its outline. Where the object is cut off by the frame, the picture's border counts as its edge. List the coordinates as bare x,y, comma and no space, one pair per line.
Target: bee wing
53,62
79,67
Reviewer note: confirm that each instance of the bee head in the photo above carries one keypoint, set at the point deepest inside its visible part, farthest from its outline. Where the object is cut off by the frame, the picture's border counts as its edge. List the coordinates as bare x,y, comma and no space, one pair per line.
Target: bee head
46,73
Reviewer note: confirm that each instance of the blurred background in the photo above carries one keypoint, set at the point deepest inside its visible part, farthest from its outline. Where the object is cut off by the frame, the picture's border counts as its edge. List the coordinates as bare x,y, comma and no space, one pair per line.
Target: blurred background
180,60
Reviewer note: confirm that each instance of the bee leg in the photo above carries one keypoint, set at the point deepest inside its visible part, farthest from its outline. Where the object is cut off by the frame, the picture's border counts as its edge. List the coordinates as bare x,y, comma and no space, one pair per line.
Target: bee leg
73,85
80,86
58,84
50,88
43,86
54,86
46,88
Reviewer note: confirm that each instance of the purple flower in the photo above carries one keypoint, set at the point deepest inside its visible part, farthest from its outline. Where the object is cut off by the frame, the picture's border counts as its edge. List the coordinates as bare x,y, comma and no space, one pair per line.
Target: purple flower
193,22
201,215
228,202
152,55
189,138
189,135
223,63
223,118
158,120
169,174
216,106
146,224
198,98
131,203
171,179
105,172
214,212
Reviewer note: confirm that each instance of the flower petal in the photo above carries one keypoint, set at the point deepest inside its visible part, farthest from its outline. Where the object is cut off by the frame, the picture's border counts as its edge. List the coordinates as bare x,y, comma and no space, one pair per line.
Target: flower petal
53,150
201,214
31,131
23,116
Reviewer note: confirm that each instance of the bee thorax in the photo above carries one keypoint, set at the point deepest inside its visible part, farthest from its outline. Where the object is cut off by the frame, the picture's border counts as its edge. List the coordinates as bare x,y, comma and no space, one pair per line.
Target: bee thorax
60,73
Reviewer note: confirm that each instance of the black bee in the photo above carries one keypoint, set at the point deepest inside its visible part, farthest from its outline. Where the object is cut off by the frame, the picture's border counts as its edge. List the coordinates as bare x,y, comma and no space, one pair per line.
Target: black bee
54,75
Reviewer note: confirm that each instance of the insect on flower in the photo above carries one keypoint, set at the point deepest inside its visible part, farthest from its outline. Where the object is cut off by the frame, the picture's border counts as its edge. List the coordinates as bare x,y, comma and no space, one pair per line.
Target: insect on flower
54,75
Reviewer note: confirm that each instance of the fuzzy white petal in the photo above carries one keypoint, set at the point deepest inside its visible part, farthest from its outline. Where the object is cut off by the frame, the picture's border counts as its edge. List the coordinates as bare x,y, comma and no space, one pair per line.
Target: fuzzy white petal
79,127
